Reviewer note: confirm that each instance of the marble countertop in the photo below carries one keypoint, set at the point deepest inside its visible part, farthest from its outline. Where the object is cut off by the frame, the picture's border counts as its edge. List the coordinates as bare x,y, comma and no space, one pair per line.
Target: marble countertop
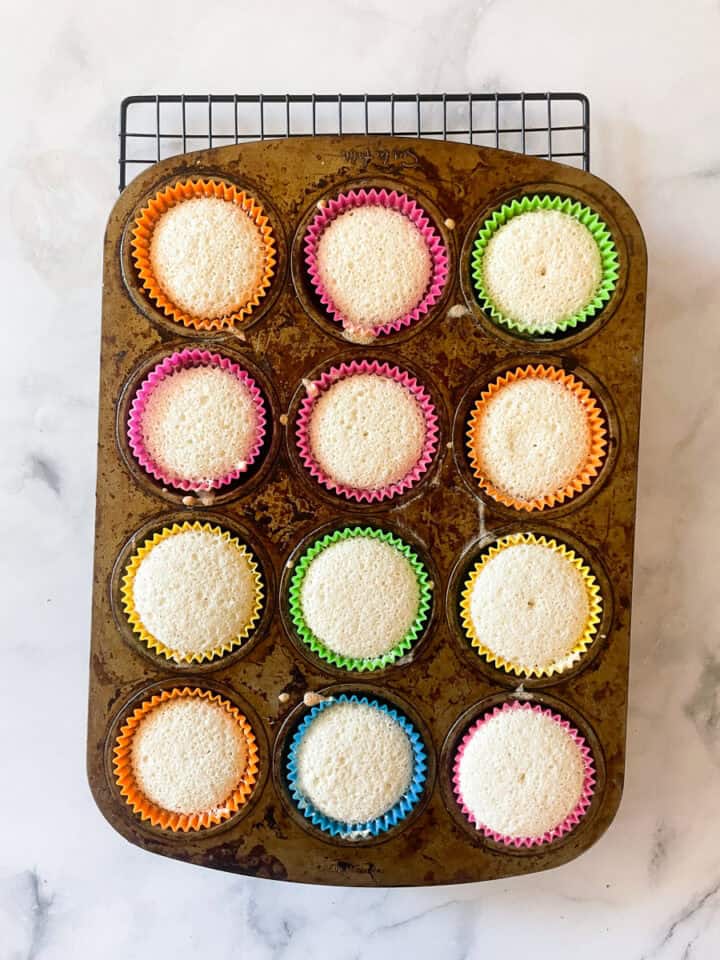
72,888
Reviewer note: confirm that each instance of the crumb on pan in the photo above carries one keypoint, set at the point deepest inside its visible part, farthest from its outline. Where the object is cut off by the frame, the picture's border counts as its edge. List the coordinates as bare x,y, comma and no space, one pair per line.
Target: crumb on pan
313,699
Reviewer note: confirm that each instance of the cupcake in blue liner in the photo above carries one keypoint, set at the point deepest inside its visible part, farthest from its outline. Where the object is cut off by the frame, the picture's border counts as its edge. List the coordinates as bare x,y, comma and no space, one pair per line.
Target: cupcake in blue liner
356,767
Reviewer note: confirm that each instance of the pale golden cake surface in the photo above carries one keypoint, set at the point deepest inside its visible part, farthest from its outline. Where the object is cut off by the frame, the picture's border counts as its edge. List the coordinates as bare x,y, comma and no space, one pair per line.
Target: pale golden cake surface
533,438
360,597
200,423
188,755
375,265
542,267
529,605
194,591
354,762
207,256
521,773
367,431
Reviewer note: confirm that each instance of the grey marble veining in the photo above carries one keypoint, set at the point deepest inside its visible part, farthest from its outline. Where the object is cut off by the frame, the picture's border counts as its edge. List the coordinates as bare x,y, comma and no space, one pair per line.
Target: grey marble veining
71,888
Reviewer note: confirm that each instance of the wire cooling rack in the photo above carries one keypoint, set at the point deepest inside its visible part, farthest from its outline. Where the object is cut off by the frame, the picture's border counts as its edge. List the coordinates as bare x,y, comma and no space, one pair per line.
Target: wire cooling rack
551,125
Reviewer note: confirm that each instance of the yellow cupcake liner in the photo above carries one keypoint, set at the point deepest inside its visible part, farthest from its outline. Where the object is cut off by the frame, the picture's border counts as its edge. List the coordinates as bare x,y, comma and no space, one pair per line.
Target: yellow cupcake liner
142,237
596,425
581,644
167,819
134,618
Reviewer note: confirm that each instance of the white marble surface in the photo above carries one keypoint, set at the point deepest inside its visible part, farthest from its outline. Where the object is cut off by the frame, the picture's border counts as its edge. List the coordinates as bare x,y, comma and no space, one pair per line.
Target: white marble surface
69,886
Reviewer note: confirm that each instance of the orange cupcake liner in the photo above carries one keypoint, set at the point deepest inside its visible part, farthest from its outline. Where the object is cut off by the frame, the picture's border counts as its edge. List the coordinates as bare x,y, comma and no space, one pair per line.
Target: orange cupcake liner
596,424
142,237
166,819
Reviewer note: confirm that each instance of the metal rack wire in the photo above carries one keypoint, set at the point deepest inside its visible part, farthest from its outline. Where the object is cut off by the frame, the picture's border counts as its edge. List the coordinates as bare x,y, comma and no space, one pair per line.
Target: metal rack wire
551,125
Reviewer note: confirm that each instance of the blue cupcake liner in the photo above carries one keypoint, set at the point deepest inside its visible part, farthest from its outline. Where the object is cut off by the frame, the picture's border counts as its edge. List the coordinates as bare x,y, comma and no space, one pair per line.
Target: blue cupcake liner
368,828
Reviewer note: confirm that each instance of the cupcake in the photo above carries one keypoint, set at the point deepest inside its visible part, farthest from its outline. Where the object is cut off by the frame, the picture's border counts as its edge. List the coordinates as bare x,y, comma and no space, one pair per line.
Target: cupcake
185,759
366,430
523,775
375,262
543,265
205,253
197,422
355,767
359,598
536,437
530,606
192,592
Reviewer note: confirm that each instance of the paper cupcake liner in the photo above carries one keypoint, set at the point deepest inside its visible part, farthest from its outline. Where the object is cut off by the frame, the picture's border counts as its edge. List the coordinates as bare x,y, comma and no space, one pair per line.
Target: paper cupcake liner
596,424
128,581
183,360
409,208
142,236
315,644
585,215
580,645
149,811
575,815
368,828
326,380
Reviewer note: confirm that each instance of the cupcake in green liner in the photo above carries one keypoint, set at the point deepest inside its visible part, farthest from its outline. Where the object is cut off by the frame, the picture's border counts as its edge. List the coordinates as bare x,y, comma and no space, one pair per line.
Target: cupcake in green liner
543,265
359,598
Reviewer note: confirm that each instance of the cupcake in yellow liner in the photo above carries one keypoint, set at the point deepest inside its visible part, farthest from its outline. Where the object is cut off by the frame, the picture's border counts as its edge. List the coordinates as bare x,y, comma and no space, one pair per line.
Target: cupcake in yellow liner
192,592
186,759
205,253
536,437
530,606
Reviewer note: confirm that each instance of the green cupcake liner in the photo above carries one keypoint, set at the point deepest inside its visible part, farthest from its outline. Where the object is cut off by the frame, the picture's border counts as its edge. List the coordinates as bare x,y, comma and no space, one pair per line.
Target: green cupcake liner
315,644
589,218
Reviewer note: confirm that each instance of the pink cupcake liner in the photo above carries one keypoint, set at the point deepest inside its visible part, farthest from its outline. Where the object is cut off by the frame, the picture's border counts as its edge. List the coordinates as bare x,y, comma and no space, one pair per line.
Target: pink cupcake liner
183,360
575,815
326,380
397,201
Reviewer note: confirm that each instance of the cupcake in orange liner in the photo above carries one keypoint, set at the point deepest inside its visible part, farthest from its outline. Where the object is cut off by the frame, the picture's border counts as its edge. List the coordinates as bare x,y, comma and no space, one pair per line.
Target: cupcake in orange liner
192,592
536,437
530,606
205,253
186,759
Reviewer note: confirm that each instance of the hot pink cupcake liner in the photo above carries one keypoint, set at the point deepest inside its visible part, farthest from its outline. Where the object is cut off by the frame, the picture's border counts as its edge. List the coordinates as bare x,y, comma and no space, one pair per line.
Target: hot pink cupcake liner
182,360
326,380
575,815
397,201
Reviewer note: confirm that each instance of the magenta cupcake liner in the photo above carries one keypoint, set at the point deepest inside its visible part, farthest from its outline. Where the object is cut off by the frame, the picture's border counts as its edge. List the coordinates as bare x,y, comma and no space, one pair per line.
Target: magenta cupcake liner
397,201
326,380
575,815
183,360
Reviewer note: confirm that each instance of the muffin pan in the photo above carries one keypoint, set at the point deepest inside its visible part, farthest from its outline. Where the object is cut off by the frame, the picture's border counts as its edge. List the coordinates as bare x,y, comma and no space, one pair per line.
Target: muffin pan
453,350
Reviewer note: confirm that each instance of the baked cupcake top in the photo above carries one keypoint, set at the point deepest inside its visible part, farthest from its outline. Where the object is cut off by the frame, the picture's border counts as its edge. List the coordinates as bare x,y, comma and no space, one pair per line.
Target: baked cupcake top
366,430
188,755
530,606
197,422
359,598
186,759
205,252
355,767
374,264
375,261
523,775
536,437
192,592
544,264
541,268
